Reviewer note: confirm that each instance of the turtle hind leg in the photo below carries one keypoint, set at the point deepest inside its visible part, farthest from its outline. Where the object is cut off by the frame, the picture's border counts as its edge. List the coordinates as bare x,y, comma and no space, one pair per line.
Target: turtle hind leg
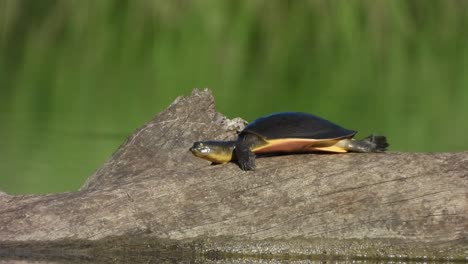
243,151
372,143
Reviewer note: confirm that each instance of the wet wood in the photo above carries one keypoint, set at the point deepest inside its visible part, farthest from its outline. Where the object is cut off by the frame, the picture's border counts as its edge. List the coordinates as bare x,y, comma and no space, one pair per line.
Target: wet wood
152,186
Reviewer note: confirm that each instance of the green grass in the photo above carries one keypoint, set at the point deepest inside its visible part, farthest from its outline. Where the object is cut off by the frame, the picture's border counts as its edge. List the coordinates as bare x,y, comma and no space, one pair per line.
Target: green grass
78,76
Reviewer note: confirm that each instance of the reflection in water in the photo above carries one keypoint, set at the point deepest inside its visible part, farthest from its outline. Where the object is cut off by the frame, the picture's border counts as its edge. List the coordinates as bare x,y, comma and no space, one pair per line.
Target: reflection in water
155,259
146,259
140,249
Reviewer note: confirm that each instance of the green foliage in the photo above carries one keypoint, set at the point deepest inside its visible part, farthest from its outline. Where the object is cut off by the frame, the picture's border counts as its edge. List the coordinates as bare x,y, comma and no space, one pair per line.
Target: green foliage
78,76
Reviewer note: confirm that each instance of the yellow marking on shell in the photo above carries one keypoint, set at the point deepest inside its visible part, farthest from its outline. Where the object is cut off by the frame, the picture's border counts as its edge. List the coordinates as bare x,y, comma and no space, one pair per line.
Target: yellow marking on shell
334,149
300,145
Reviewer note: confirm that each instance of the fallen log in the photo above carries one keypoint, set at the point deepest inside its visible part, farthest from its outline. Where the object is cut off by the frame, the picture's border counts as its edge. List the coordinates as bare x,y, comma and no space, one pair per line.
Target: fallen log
412,205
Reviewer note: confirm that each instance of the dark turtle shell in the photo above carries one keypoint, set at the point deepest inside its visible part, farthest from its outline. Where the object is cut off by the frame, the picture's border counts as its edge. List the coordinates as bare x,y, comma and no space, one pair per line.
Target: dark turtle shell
296,125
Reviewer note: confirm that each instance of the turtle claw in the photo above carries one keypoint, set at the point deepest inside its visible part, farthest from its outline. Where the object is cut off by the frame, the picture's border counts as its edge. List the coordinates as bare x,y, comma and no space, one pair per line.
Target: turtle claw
247,165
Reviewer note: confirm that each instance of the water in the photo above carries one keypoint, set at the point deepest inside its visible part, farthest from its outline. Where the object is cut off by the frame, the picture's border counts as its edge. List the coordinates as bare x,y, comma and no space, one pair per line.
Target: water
142,250
51,158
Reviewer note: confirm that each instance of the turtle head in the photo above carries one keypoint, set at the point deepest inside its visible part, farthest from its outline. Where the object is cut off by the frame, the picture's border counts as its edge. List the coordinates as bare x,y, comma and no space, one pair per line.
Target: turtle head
214,151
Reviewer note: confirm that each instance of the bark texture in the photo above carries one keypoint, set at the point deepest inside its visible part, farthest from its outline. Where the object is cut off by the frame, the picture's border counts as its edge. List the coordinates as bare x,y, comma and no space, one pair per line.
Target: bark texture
152,186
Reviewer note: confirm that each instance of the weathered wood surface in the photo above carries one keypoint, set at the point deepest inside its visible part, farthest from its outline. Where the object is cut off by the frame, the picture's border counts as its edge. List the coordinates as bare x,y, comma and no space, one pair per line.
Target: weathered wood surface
153,186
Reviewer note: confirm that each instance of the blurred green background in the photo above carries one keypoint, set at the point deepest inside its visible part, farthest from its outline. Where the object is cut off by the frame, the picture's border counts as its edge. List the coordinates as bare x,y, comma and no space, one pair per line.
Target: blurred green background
78,76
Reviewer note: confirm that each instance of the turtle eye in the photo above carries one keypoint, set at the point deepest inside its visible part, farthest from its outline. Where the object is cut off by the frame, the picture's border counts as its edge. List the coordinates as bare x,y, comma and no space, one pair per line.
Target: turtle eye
197,145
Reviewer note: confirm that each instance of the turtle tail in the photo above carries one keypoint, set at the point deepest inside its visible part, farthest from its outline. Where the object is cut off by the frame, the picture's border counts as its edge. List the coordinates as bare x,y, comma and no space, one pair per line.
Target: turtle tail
372,143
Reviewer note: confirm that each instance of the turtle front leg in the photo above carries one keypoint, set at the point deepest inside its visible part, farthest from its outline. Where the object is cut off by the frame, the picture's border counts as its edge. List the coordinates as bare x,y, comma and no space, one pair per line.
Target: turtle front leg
245,158
243,151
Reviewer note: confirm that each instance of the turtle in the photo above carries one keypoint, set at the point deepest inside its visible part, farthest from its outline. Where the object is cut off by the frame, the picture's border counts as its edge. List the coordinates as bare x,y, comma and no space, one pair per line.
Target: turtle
286,132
